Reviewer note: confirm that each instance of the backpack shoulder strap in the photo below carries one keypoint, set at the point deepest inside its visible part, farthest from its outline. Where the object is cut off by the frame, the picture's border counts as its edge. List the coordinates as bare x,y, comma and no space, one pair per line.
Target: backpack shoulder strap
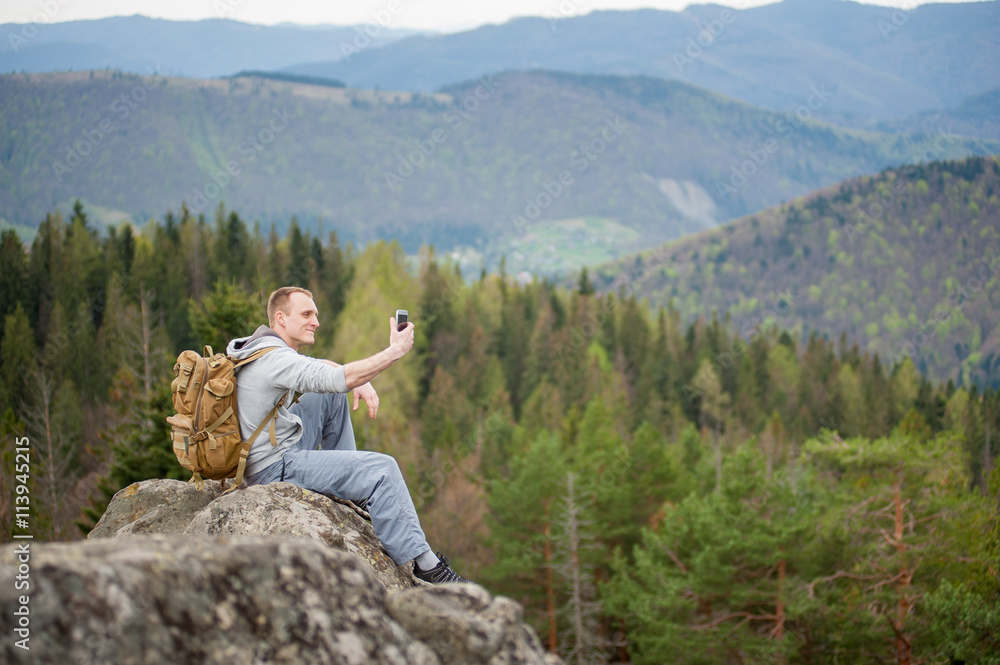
245,446
254,356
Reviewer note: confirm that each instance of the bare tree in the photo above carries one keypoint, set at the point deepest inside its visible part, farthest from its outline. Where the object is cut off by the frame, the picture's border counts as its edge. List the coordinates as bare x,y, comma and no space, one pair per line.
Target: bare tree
54,446
584,642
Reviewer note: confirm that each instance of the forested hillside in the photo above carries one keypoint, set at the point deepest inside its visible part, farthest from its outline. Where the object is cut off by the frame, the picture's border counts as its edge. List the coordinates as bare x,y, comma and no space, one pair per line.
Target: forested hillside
905,262
651,490
553,170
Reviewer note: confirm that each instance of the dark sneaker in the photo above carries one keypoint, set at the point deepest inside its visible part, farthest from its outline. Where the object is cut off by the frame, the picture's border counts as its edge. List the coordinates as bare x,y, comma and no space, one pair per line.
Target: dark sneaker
439,574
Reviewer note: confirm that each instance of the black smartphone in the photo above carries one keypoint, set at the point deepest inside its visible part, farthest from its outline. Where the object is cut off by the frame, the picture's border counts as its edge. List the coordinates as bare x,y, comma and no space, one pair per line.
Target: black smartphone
401,315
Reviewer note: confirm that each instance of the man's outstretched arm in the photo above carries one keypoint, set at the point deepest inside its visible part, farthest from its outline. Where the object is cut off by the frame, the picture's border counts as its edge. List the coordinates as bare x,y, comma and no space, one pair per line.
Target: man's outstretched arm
366,392
360,372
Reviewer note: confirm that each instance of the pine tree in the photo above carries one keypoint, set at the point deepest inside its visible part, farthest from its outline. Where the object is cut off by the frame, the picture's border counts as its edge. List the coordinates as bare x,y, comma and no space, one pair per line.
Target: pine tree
45,259
436,344
720,579
232,247
17,360
523,511
901,513
13,273
583,285
225,314
297,272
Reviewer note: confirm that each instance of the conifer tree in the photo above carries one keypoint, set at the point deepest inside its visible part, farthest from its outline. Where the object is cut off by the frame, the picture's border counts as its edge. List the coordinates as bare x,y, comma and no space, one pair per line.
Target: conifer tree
436,344
232,249
225,314
583,285
17,360
45,259
721,578
13,273
297,272
901,511
523,512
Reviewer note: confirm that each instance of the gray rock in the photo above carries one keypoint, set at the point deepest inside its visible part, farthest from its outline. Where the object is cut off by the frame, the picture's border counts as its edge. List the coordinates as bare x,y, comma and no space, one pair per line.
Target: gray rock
284,509
169,600
172,506
154,506
463,624
172,600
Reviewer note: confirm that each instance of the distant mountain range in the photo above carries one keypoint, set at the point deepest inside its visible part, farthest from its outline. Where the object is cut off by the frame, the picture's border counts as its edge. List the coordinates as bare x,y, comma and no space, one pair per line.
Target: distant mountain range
976,116
905,262
879,62
554,170
199,49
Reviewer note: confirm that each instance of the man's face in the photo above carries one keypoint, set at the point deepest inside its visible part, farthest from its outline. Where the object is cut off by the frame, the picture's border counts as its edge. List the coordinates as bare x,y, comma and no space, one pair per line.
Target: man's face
299,323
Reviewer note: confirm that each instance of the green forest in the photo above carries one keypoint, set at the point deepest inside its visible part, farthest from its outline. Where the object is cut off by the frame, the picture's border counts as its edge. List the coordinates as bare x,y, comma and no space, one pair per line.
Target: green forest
482,166
651,487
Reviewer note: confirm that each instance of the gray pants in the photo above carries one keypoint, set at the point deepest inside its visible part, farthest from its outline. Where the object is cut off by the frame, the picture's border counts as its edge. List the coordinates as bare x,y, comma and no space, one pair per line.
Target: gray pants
326,460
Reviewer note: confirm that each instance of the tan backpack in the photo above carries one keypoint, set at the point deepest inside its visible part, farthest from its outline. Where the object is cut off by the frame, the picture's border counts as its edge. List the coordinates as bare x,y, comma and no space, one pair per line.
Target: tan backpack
206,429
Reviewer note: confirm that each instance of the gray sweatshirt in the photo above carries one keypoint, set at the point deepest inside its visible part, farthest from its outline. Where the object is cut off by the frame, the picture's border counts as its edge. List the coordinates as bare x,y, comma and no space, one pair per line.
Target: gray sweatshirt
270,379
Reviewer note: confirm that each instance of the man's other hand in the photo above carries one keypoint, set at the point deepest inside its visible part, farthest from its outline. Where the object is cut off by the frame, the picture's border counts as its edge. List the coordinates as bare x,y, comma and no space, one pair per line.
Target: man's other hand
400,341
367,393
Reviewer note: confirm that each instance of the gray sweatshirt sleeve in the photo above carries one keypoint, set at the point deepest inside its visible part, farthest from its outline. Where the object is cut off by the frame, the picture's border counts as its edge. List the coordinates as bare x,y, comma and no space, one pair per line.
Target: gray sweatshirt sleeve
293,371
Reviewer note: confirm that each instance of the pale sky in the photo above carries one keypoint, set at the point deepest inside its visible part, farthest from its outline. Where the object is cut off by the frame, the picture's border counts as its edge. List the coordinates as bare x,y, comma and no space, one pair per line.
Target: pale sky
437,15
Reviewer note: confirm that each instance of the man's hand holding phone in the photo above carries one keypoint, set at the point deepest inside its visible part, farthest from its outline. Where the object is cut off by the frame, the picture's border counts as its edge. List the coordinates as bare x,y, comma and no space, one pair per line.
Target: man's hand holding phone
400,333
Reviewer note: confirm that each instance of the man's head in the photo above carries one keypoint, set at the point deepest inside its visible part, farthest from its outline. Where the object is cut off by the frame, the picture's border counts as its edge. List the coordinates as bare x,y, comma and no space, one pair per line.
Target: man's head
292,314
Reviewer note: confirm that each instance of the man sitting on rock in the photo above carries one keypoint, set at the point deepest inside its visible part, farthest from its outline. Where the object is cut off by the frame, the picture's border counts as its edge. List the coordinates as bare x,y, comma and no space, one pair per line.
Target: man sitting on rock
311,443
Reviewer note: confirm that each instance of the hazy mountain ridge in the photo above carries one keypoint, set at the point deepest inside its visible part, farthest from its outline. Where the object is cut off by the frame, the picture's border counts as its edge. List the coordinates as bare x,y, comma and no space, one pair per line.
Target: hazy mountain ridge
201,49
479,165
883,62
906,262
976,116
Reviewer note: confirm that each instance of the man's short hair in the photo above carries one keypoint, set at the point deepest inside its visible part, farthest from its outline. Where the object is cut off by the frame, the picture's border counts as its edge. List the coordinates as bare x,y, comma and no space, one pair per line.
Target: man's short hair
278,301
